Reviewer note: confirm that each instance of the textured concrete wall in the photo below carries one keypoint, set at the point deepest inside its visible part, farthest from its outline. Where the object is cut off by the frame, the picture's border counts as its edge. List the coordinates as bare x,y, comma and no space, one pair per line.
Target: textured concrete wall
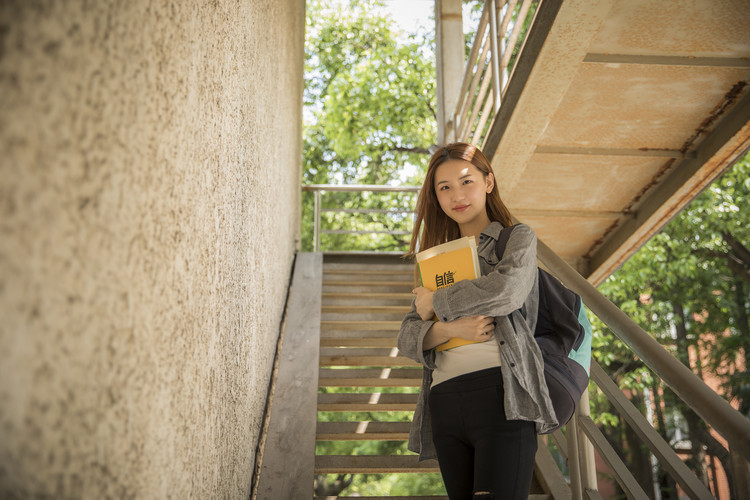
149,207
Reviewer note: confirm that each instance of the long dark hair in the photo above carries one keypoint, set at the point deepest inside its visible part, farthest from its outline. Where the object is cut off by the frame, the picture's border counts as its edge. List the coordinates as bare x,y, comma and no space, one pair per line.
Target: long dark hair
432,226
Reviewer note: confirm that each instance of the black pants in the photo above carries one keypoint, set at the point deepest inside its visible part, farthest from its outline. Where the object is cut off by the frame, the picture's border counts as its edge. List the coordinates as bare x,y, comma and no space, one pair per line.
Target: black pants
481,453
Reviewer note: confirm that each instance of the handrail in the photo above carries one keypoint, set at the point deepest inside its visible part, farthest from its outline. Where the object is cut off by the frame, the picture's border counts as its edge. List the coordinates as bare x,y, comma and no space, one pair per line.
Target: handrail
716,411
475,106
360,187
680,472
318,189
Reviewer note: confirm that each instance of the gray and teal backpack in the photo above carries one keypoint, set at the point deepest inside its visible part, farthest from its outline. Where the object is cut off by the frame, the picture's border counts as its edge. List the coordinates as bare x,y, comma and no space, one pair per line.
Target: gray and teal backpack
563,333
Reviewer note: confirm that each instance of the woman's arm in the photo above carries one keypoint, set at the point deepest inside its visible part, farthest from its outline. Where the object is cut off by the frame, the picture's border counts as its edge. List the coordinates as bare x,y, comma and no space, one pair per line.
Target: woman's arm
475,328
498,293
411,338
417,337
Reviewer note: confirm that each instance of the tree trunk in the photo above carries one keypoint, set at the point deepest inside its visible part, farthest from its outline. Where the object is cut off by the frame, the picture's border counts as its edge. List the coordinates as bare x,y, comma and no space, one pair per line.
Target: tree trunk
701,439
666,482
324,488
640,458
743,329
698,454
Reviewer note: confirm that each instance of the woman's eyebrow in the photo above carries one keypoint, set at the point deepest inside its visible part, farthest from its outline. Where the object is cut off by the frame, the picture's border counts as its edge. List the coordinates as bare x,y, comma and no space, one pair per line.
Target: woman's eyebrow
460,178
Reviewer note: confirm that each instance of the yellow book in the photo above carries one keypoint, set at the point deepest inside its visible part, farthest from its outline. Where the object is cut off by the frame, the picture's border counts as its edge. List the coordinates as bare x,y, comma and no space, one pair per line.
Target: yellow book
443,265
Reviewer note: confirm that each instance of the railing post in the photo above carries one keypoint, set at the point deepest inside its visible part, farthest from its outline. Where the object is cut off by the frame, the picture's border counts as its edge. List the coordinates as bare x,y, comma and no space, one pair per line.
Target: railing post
449,54
587,460
740,473
574,464
711,407
316,226
495,56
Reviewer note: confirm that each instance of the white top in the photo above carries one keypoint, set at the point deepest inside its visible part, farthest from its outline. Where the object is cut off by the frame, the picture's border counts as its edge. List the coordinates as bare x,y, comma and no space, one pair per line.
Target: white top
465,359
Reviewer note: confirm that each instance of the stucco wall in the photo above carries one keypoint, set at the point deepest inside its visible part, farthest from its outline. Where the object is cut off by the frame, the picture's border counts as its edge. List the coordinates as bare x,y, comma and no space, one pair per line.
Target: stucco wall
149,199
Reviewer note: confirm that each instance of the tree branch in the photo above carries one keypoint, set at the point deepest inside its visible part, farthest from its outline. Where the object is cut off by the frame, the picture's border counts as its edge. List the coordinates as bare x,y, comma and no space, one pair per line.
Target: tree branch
738,249
402,149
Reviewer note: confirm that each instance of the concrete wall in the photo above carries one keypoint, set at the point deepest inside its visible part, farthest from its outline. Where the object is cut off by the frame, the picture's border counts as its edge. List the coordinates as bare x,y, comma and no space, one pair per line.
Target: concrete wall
149,200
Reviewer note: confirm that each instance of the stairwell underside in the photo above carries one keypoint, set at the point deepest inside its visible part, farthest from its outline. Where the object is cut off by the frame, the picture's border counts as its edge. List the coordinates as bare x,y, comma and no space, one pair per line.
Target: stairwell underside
616,116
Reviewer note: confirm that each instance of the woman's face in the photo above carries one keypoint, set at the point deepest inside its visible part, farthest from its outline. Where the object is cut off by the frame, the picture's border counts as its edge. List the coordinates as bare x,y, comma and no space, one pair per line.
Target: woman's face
461,190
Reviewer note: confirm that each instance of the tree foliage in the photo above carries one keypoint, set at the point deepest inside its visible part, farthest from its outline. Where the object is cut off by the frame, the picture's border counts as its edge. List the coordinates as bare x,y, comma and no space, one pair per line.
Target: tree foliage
369,116
688,287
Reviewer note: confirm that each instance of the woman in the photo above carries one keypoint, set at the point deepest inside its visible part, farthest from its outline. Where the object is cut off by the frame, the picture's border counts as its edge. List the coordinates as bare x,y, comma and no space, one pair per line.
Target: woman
481,404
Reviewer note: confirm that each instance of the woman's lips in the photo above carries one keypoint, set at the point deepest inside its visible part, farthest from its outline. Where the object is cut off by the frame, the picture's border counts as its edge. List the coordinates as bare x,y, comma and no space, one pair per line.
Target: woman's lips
460,208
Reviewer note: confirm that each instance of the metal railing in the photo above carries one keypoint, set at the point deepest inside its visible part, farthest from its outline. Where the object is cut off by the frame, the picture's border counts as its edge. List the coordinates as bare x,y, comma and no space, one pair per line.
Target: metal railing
487,69
582,431
319,210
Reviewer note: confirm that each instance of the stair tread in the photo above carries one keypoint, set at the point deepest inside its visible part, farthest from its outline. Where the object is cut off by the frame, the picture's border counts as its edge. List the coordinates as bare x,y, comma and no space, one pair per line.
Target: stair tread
373,464
367,398
333,333
353,402
359,351
373,283
358,341
382,373
387,361
363,431
364,427
369,382
431,497
360,325
357,309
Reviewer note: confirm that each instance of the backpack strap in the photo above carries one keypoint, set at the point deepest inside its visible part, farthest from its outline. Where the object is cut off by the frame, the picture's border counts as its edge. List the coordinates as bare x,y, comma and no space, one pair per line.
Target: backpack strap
502,241
500,244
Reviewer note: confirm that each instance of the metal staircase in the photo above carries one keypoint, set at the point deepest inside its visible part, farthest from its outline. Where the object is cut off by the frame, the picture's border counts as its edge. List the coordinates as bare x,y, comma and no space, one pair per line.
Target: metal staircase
596,94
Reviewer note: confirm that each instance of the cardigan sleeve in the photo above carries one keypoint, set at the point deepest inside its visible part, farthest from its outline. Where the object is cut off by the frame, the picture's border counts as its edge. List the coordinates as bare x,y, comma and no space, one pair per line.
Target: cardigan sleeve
411,337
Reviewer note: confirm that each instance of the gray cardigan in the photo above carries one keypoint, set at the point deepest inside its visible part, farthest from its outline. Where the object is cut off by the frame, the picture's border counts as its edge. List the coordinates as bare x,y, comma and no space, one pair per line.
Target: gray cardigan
504,287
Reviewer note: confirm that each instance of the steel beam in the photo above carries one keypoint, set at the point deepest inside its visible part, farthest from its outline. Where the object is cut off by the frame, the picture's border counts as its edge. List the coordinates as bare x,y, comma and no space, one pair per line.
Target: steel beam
449,54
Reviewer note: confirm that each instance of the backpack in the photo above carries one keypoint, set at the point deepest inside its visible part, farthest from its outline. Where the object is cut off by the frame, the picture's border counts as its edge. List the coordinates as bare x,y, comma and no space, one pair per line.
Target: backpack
563,333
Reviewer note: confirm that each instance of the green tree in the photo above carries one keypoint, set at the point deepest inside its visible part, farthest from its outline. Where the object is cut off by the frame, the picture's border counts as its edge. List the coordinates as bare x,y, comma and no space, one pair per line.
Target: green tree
369,116
687,286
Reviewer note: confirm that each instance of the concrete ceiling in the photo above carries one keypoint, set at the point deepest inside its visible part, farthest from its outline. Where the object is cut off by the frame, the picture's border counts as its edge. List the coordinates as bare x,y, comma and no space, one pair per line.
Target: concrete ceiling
617,114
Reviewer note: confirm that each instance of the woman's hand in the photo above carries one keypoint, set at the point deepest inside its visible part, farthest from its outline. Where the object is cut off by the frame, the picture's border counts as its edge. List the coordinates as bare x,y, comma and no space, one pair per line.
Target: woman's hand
423,302
475,328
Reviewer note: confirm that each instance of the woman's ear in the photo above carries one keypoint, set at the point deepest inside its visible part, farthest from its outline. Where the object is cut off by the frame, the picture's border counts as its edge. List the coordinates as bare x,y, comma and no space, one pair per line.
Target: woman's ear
490,182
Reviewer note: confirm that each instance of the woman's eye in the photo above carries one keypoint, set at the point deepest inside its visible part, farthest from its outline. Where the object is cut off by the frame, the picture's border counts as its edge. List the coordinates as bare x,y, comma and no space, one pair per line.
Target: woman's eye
468,181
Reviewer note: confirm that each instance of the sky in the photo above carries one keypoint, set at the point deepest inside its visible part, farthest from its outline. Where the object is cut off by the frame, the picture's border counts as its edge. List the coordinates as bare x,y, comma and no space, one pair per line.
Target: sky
410,15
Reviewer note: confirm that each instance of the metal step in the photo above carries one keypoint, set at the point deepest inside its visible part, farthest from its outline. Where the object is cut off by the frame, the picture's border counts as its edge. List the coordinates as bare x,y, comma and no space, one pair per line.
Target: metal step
433,497
400,310
372,464
345,360
390,498
369,382
343,266
360,326
365,314
359,351
368,282
334,332
363,431
358,341
369,274
389,286
366,298
350,402
383,373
